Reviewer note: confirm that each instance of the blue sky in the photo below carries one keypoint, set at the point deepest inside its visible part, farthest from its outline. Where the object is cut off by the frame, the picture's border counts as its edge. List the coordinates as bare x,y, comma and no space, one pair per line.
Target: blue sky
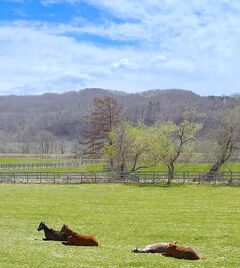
128,45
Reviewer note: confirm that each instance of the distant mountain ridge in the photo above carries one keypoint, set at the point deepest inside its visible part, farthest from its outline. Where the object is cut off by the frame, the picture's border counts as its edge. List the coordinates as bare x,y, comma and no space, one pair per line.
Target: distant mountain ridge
23,117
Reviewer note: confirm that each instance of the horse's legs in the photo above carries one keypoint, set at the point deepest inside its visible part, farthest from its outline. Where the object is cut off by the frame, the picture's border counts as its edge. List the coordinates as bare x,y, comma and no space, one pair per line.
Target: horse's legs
69,241
137,250
166,254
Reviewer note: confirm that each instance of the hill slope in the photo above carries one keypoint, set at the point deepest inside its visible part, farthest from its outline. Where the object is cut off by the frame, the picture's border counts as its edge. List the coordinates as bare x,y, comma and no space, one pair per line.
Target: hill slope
23,117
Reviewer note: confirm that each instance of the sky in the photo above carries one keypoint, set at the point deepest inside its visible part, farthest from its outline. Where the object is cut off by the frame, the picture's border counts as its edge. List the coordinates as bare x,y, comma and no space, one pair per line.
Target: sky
127,45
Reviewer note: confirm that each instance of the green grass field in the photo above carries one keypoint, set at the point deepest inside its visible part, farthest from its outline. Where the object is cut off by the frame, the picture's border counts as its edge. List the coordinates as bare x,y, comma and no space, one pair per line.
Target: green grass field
193,167
30,160
121,217
188,167
196,167
84,168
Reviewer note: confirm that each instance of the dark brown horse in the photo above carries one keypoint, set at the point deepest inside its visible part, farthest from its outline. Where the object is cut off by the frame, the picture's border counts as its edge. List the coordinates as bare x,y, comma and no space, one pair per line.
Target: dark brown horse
181,252
51,234
154,248
75,239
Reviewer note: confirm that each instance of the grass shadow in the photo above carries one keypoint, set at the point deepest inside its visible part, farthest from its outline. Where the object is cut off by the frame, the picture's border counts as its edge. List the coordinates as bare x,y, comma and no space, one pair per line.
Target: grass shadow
159,185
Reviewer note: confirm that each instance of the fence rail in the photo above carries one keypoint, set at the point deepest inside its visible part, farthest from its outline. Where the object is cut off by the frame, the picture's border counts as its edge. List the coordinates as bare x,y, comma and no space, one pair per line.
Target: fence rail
50,164
111,177
40,165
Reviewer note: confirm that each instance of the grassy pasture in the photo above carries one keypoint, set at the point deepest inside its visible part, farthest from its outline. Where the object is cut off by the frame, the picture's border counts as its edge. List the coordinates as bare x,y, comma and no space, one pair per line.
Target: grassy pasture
121,217
188,167
196,167
83,168
193,167
29,160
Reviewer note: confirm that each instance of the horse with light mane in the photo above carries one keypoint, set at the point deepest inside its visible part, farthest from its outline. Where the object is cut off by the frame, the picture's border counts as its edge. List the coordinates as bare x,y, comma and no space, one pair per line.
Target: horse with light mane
75,239
154,248
51,234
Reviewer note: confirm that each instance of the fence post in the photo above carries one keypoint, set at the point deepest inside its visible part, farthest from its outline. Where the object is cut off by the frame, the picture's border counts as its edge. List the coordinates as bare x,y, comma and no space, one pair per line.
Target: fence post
199,177
66,177
231,177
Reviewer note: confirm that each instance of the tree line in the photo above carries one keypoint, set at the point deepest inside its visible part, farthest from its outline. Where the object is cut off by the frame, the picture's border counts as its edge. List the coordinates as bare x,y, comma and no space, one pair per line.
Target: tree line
54,123
128,146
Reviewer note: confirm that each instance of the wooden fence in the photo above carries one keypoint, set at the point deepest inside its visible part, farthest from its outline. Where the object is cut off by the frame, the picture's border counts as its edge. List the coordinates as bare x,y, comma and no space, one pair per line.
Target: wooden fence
112,177
40,165
50,164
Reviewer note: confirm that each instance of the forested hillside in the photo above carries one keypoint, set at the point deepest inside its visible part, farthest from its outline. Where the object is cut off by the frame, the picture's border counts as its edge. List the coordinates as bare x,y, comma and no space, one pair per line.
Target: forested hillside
28,120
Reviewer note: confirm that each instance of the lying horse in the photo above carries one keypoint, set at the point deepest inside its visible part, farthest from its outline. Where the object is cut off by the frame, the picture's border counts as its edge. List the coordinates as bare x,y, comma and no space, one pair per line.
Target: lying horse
181,252
51,234
154,248
75,239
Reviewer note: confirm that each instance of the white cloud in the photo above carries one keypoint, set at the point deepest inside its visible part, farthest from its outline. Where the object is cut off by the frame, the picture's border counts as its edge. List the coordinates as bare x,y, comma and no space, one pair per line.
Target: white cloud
192,44
35,60
53,2
120,64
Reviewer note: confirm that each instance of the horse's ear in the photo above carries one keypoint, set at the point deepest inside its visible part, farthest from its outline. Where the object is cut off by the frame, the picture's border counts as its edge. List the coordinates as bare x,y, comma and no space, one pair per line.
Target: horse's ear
172,244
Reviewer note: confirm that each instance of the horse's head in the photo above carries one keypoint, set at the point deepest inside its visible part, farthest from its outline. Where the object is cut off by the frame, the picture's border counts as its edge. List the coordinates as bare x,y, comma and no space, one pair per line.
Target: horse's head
66,229
172,246
63,228
41,226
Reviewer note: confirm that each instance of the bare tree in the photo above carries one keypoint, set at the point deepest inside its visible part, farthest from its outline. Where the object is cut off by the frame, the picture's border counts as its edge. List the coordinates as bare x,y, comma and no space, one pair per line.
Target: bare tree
45,141
106,113
225,139
118,148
